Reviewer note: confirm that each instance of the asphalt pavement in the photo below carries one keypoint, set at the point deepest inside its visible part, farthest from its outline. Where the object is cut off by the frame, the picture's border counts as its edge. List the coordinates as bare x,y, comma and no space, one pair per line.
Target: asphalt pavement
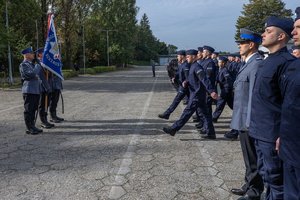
111,145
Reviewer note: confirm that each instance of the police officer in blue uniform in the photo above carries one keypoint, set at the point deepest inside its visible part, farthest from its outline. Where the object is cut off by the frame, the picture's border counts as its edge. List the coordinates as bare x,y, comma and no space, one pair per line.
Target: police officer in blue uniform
248,46
45,90
56,92
30,90
183,91
289,143
225,82
211,73
266,106
199,85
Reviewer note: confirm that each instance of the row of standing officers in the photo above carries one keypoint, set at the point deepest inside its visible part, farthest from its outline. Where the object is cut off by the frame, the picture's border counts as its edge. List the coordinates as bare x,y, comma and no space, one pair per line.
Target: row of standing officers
41,91
266,109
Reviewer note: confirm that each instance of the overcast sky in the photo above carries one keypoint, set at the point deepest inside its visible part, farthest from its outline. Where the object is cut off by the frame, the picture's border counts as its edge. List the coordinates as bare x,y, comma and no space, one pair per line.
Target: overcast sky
191,23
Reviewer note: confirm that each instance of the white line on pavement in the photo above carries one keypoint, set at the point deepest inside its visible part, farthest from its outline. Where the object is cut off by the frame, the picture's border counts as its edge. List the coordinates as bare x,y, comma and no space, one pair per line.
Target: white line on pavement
116,190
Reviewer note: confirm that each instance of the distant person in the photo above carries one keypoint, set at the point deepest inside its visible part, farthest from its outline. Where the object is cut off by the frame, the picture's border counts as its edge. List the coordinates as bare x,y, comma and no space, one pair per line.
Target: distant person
153,67
199,85
45,90
55,94
30,90
183,91
225,82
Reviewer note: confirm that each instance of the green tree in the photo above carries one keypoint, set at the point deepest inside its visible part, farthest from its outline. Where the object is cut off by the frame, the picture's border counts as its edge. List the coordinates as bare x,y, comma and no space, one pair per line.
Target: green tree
255,13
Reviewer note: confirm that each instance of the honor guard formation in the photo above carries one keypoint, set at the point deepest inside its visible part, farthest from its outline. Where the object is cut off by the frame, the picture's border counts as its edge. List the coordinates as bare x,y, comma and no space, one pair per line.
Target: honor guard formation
41,91
263,92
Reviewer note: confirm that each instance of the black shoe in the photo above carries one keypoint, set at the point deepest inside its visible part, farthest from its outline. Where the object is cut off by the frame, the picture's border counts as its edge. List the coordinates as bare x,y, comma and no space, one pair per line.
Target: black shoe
163,116
211,137
194,117
32,132
60,119
215,120
37,129
185,102
199,125
203,131
246,197
238,191
46,125
54,120
169,131
232,135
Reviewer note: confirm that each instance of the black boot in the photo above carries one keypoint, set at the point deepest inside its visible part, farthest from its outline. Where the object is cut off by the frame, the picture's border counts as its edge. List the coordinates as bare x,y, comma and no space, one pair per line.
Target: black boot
164,116
45,123
53,117
29,128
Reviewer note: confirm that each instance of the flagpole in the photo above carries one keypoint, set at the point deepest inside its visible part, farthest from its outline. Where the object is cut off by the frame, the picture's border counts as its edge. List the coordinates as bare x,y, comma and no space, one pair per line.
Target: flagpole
49,13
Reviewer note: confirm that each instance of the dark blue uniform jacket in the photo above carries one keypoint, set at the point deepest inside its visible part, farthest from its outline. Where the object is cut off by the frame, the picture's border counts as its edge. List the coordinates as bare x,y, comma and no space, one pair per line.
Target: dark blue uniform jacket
290,116
267,98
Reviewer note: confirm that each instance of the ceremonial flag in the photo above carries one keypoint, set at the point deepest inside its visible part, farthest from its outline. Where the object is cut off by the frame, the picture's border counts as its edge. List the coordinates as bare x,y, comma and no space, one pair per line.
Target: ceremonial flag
51,57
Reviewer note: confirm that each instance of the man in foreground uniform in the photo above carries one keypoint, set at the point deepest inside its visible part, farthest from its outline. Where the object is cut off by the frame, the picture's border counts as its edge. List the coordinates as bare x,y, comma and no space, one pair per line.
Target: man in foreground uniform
30,90
243,86
199,85
266,104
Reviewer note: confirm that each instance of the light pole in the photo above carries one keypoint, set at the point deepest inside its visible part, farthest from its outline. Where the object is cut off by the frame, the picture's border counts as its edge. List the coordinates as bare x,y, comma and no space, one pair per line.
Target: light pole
107,44
8,46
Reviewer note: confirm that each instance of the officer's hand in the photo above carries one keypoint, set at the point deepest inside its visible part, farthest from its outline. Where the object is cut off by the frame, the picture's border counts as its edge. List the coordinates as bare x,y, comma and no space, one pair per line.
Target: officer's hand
173,80
277,144
214,95
185,84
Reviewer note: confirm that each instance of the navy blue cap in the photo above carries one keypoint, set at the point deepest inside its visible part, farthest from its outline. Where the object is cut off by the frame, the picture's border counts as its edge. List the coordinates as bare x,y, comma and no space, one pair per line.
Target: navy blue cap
200,49
40,50
222,58
248,35
217,53
27,50
181,52
191,52
286,24
297,11
208,48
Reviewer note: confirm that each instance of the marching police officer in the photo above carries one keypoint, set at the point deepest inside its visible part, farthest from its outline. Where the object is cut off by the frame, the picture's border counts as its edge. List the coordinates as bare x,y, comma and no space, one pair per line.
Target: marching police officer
226,83
243,86
183,91
30,90
45,91
266,106
199,85
289,147
56,92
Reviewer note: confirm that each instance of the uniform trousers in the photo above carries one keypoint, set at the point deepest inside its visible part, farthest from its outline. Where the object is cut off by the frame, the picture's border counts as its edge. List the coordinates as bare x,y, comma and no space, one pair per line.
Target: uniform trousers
42,106
270,167
253,181
54,100
222,100
291,181
31,103
181,94
191,107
